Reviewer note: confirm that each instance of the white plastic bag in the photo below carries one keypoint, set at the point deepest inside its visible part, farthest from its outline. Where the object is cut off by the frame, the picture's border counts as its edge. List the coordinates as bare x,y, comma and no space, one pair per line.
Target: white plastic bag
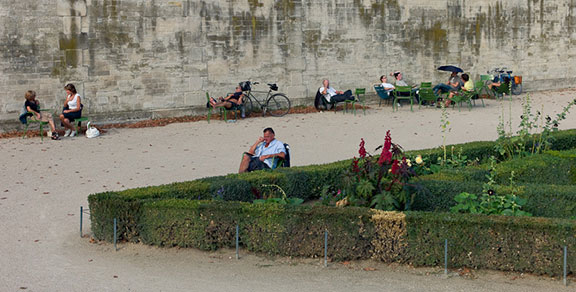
91,132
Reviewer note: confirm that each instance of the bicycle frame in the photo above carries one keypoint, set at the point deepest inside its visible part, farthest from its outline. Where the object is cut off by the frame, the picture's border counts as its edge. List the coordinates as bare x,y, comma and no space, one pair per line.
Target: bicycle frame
277,104
261,104
501,75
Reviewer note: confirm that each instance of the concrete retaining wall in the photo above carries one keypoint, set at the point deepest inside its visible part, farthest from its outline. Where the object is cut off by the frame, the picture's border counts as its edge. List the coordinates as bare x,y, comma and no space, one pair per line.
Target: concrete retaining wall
134,59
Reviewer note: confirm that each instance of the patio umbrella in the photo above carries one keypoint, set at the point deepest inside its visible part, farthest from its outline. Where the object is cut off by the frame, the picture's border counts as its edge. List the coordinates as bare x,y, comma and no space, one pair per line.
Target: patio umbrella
450,68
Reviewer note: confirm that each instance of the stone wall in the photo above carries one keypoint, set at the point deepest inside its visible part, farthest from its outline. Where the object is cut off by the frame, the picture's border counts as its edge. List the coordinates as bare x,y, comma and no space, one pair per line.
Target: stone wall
134,59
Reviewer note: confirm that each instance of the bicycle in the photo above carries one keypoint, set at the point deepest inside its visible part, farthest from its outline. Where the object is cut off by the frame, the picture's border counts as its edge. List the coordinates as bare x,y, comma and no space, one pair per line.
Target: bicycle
514,83
276,104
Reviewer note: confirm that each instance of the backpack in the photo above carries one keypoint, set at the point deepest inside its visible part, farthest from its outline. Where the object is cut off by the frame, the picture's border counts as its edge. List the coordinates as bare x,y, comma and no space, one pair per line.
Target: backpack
320,102
287,156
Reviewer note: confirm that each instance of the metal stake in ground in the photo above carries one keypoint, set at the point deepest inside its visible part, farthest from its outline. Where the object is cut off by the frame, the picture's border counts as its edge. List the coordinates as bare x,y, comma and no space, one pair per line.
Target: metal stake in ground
326,248
445,256
81,211
237,244
115,235
565,265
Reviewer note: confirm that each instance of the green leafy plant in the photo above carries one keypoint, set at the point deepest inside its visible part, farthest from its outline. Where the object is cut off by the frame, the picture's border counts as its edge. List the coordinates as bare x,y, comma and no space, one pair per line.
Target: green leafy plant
269,197
533,135
382,183
489,202
445,125
329,196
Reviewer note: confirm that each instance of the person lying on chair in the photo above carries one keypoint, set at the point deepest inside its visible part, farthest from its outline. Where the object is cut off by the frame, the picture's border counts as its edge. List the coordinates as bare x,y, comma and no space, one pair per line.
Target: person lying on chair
262,153
332,95
229,101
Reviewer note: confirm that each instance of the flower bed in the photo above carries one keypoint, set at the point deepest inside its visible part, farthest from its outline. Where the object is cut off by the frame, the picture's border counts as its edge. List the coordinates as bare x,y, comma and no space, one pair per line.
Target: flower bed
178,214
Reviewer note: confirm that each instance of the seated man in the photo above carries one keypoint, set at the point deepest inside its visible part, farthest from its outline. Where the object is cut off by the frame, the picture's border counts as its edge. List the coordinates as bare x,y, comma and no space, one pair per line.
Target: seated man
399,81
231,100
261,154
468,87
454,84
332,95
496,83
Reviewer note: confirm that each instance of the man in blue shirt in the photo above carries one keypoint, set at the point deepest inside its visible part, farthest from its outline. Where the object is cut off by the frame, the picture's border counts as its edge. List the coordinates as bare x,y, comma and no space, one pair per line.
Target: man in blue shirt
261,154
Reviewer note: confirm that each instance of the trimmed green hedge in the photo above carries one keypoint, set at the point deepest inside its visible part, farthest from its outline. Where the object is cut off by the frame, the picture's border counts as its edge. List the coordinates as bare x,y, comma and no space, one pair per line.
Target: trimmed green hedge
302,182
554,201
268,228
552,166
520,244
494,242
561,140
307,182
179,214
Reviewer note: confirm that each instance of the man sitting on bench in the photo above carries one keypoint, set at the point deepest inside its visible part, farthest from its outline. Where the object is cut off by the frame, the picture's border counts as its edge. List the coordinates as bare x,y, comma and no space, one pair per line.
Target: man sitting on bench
332,95
262,153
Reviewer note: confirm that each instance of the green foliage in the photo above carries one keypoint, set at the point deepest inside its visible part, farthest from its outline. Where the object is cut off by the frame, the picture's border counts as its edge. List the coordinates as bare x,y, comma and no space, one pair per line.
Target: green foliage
489,202
383,183
534,135
273,229
509,205
272,197
521,244
494,242
542,168
445,125
180,214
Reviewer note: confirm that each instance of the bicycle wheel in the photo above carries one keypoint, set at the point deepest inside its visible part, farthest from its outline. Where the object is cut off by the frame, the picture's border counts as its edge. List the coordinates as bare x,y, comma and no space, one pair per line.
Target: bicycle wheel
278,105
517,89
248,106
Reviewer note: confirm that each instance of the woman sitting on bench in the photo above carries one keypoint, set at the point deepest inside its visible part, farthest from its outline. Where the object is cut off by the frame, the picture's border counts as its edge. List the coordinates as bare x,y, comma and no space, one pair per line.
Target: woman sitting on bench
72,110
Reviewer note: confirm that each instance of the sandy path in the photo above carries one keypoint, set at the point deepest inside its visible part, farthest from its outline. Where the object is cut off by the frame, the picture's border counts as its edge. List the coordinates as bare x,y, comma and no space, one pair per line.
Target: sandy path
42,186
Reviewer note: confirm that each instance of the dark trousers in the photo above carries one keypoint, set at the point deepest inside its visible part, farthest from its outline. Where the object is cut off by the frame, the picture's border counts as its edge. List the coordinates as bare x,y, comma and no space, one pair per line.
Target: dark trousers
347,95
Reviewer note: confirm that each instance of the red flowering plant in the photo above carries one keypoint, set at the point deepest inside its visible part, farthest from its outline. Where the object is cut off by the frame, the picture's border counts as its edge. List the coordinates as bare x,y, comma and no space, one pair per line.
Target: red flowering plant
383,182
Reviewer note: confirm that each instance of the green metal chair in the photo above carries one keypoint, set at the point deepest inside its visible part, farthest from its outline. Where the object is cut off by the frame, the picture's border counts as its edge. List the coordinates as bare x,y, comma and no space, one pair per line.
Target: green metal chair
40,123
282,162
478,87
359,92
463,96
426,85
403,93
209,114
503,89
235,108
481,86
426,94
78,122
223,111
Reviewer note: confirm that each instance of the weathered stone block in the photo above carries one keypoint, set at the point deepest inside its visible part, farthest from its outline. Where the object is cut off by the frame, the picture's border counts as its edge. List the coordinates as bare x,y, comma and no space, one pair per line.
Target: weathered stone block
71,7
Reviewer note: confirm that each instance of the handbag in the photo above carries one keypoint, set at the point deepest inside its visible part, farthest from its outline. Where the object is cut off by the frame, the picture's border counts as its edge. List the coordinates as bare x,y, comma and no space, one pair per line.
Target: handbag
91,131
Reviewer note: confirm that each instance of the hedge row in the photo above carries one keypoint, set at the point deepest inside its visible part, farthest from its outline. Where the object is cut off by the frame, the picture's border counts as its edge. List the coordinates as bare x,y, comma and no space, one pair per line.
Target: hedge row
483,150
543,200
304,182
492,242
558,167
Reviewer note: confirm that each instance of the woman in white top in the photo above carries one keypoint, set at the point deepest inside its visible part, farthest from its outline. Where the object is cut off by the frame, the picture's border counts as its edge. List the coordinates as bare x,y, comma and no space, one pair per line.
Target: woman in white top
72,109
387,86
